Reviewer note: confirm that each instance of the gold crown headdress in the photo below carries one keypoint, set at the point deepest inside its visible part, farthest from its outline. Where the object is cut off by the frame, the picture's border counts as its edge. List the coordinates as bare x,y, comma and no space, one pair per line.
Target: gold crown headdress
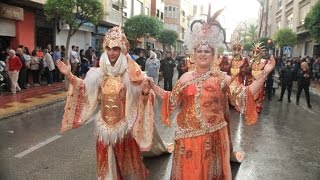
257,49
115,37
236,45
208,33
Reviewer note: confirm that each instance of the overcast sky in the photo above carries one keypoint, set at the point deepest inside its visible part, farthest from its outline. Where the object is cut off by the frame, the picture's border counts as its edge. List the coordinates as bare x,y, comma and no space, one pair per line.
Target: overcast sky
235,12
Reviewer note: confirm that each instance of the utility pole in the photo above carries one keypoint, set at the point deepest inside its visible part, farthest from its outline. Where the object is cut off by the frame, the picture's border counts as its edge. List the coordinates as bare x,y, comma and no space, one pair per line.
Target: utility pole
121,6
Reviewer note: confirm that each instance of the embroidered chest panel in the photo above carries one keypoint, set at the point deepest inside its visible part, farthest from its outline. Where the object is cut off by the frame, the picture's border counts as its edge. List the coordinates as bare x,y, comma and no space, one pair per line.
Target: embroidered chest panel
112,102
202,107
235,67
257,69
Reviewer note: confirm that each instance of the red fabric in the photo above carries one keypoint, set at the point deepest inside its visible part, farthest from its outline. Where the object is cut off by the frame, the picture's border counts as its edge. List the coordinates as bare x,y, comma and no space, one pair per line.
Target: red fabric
251,113
40,54
165,112
15,64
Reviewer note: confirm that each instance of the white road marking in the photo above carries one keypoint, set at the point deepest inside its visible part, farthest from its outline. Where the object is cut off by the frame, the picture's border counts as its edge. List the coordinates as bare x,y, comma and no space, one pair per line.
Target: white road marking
308,109
35,147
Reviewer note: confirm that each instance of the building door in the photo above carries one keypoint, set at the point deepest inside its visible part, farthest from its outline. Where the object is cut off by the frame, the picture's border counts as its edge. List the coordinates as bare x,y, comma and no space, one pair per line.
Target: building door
4,42
44,36
316,50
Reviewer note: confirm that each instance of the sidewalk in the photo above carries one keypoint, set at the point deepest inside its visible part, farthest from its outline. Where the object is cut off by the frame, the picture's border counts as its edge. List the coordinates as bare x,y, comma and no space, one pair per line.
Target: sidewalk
30,99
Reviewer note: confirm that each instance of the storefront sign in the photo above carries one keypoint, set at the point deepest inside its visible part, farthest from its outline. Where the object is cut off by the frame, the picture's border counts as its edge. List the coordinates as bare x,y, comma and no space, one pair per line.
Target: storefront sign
102,30
11,12
88,26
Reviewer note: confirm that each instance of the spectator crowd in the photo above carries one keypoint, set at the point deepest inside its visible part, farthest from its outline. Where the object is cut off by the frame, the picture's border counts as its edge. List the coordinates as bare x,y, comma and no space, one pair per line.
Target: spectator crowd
23,69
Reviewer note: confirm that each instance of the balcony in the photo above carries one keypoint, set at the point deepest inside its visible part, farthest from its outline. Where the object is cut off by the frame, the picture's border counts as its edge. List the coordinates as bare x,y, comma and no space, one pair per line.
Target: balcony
301,30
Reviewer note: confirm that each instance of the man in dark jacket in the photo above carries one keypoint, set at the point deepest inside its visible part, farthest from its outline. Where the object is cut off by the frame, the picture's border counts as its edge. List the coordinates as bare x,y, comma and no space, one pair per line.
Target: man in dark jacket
141,61
286,77
167,68
269,85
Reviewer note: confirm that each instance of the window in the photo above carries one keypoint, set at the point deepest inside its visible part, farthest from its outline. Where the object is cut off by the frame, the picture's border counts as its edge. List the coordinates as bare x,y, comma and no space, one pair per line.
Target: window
201,9
279,4
195,8
165,8
116,4
303,12
137,7
183,13
278,25
158,13
182,33
146,11
170,11
289,21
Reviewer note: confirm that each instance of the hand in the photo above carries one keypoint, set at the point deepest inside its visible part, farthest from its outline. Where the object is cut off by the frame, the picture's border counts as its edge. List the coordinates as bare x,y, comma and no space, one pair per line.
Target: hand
145,86
64,68
270,65
150,81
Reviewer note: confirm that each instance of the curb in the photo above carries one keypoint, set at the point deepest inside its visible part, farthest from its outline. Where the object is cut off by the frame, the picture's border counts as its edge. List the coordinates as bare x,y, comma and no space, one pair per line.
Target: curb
31,109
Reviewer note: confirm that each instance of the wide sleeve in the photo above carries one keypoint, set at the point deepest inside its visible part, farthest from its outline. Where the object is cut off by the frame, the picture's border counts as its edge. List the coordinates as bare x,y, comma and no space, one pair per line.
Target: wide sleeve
244,100
170,101
82,100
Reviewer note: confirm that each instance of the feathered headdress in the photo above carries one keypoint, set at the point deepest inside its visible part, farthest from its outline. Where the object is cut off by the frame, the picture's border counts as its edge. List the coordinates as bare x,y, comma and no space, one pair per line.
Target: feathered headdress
257,49
115,37
208,33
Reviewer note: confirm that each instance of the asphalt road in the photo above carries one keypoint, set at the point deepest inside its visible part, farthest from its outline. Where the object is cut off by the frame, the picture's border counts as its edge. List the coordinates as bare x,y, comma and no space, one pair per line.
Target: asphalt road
284,144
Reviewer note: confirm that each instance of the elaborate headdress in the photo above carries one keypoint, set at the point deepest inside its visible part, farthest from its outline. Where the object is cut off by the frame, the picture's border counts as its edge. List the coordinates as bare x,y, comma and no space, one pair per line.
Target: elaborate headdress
208,33
115,37
237,46
257,49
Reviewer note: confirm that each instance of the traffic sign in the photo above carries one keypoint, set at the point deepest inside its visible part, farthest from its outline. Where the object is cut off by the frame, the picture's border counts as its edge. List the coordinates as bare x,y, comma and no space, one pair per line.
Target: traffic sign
287,50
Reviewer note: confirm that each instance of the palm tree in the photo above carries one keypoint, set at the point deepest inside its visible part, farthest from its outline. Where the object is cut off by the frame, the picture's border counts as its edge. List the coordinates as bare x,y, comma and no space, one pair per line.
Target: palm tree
252,32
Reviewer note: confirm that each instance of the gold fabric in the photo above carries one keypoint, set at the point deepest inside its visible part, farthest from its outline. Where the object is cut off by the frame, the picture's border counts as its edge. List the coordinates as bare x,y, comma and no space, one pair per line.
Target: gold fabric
112,104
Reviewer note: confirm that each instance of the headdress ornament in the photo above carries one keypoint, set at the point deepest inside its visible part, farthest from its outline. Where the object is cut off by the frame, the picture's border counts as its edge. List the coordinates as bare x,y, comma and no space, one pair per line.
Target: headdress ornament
115,37
236,45
257,49
205,34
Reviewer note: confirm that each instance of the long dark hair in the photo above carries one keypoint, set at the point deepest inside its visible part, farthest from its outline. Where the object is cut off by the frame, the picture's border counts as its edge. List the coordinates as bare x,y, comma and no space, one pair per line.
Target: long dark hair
26,50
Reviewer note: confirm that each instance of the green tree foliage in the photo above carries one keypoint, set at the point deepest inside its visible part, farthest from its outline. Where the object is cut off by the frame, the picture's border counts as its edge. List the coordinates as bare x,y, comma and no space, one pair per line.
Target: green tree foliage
312,21
168,37
221,49
74,13
252,32
285,37
141,26
247,47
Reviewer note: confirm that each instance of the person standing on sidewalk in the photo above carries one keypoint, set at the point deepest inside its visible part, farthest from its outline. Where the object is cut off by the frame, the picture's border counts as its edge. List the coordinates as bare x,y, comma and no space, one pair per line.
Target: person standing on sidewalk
49,66
14,67
316,69
34,66
286,78
152,66
56,73
23,71
167,68
141,61
27,57
304,82
74,60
